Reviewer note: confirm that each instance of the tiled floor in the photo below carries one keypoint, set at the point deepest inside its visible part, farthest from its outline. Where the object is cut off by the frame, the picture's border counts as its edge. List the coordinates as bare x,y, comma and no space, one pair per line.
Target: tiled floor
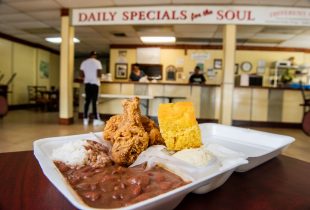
21,127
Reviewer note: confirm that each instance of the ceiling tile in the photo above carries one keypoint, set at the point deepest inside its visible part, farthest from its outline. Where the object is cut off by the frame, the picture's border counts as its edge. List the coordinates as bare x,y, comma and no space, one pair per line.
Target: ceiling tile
218,35
5,9
246,29
125,40
195,35
85,3
98,40
28,37
9,30
246,2
52,23
302,38
283,29
295,44
46,15
202,2
195,28
29,24
160,33
273,36
85,29
107,31
277,2
306,32
245,35
302,3
153,29
15,18
8,1
88,35
38,5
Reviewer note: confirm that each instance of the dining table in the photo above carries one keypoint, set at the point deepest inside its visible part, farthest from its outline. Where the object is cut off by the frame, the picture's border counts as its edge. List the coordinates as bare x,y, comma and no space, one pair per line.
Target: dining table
280,183
51,97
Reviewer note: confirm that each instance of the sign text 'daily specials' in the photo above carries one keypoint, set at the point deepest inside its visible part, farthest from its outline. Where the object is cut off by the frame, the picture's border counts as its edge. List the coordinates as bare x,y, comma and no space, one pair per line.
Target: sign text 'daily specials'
192,15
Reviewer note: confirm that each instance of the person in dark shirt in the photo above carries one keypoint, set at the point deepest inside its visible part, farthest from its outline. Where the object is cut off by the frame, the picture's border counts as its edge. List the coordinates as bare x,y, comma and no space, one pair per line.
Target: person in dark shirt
136,74
197,77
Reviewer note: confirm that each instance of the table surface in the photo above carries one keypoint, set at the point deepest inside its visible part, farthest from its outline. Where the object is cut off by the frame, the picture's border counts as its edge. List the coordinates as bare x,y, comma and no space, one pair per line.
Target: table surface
281,183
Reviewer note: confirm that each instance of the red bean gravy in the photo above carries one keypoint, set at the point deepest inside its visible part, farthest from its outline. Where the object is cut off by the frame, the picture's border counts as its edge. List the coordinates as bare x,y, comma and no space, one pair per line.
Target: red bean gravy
114,186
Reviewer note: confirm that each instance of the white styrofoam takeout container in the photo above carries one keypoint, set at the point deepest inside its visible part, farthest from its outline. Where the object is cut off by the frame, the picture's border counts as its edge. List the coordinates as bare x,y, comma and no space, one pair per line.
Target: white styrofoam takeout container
43,150
237,139
257,146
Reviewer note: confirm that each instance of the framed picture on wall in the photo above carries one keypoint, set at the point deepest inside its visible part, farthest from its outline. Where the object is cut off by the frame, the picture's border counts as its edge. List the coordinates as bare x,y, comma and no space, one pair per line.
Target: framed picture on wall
217,63
121,71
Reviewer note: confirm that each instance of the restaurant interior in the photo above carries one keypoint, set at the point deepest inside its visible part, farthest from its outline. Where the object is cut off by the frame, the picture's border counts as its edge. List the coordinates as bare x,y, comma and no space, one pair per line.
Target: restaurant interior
257,76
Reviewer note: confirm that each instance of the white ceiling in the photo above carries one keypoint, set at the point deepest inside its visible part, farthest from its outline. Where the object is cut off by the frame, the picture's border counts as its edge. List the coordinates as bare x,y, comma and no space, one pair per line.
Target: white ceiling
34,20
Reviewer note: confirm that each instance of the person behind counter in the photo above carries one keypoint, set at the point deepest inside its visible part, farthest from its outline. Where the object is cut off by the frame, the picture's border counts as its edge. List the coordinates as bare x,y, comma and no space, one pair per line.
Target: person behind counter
91,72
197,77
136,73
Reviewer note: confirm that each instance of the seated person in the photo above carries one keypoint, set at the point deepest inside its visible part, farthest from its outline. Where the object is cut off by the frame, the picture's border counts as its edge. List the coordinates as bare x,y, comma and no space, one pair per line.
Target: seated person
136,74
197,77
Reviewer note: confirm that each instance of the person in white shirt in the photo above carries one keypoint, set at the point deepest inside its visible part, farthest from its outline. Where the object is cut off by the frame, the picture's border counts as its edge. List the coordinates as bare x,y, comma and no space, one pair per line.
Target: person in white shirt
91,73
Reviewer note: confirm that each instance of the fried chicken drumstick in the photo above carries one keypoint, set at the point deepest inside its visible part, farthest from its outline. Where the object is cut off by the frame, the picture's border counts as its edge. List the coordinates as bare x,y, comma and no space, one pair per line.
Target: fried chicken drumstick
131,133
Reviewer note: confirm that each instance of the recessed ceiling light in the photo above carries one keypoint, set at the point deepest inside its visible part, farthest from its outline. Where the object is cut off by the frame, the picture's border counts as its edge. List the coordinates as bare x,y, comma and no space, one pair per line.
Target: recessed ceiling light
57,40
157,39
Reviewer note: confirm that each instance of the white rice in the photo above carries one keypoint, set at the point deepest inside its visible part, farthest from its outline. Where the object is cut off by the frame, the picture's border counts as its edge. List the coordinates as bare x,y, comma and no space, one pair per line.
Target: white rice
71,153
197,157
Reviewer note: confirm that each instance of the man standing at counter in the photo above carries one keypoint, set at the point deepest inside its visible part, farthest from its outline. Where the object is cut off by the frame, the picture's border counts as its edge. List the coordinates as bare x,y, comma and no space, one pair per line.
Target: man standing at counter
91,72
197,77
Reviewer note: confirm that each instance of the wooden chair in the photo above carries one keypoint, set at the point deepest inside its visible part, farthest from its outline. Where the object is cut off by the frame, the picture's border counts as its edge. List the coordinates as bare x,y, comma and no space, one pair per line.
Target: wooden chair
35,97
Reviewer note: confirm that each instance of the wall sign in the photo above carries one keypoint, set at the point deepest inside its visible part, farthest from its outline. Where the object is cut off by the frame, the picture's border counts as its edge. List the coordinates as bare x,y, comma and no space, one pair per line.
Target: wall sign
198,14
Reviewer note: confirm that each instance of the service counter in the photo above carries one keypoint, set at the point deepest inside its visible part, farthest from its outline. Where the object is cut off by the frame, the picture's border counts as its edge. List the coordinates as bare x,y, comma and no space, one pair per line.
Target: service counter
206,98
250,104
267,104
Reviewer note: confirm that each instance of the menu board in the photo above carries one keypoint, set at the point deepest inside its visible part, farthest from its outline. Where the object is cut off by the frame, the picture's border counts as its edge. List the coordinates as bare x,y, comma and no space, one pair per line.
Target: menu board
148,55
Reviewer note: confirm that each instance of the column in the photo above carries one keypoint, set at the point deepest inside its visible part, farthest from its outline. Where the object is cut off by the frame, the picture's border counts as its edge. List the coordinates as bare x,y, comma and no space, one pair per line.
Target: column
229,50
66,70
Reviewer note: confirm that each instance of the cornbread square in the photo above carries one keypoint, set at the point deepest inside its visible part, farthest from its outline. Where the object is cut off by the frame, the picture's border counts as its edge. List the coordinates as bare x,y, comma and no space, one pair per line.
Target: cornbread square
178,126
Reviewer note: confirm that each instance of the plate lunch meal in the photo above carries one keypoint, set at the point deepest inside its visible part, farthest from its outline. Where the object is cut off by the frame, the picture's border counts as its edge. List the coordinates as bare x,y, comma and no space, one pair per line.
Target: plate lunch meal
255,148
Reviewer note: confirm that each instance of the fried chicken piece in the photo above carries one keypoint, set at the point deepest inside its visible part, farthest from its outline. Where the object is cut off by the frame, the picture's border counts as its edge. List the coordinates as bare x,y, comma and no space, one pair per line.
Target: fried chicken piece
130,138
149,126
111,127
152,129
127,133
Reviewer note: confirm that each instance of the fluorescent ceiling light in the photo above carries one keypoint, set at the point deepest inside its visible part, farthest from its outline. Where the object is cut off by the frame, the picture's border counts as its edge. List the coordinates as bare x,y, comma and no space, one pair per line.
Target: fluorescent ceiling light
57,40
157,39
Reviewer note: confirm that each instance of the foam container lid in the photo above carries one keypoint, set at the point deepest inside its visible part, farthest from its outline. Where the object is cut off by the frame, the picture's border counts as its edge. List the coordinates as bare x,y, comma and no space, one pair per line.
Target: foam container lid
257,146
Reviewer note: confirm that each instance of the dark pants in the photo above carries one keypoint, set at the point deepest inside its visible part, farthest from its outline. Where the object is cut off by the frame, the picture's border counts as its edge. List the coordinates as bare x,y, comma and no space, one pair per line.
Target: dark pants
91,92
